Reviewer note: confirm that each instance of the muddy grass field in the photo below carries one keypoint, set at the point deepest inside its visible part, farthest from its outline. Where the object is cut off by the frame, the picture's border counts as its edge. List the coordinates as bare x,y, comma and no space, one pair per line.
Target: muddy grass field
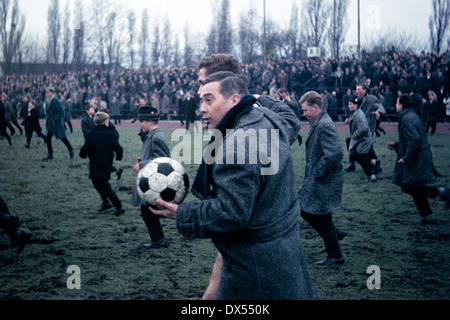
58,203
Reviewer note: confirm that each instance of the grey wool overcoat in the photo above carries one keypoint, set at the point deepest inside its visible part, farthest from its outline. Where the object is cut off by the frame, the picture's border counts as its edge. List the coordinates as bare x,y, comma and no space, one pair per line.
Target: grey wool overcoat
413,148
253,219
360,135
321,190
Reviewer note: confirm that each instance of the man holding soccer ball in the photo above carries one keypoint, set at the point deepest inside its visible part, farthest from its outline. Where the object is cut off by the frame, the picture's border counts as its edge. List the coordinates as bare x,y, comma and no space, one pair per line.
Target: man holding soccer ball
255,230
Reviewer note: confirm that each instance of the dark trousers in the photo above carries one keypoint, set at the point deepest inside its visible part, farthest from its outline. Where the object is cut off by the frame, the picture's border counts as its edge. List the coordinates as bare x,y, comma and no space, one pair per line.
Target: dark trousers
29,134
7,224
48,139
11,128
106,192
4,133
153,224
323,224
420,195
431,125
364,161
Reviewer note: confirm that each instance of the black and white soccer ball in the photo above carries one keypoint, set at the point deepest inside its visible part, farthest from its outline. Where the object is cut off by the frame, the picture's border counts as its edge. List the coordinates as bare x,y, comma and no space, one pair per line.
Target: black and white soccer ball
163,178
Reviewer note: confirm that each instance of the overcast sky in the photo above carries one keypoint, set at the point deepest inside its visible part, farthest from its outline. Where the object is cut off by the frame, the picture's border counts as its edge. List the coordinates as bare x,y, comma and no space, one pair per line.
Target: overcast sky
376,15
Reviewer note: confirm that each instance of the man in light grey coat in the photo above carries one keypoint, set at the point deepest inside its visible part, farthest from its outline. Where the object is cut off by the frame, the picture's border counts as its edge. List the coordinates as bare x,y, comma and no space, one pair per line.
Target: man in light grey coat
321,191
251,217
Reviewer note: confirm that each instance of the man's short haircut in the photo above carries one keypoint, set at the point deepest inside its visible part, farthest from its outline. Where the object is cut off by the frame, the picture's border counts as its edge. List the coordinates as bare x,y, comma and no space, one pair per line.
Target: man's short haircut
363,85
312,98
229,83
100,117
405,101
50,89
220,62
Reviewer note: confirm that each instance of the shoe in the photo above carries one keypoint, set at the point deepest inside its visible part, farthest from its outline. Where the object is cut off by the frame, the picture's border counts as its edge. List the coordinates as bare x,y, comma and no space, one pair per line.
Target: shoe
27,146
119,211
119,173
163,243
71,154
49,157
427,220
351,168
105,206
24,236
372,178
330,261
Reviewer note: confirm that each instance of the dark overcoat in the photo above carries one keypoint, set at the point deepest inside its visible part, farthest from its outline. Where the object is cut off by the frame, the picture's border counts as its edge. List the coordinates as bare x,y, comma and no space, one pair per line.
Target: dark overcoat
413,148
100,146
253,219
54,118
321,190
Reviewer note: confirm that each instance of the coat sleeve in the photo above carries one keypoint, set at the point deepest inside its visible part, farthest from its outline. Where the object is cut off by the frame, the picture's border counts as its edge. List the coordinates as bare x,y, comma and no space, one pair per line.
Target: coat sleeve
286,113
230,211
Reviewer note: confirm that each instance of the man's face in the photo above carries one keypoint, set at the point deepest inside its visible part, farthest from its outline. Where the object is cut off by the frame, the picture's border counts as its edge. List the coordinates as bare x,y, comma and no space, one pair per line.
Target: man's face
213,106
311,112
202,75
360,92
146,126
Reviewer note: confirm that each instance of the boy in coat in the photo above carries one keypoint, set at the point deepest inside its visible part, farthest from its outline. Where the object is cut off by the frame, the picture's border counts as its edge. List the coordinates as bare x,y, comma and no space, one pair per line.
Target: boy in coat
252,218
31,123
100,146
321,192
155,146
414,167
360,146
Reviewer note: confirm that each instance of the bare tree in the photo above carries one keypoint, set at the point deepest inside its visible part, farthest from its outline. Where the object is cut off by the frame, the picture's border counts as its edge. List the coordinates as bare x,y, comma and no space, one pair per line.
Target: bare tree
143,44
156,45
66,35
224,30
439,24
166,43
78,37
131,32
54,32
99,14
248,35
315,18
188,52
12,25
295,47
339,26
176,52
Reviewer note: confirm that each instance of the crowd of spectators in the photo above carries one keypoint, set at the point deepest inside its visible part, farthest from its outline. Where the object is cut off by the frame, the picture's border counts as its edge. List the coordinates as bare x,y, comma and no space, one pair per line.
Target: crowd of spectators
386,76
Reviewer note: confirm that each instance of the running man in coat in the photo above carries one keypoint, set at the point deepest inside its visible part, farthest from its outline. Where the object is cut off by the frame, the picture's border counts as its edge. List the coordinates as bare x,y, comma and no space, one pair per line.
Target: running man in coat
100,146
54,116
414,167
321,192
